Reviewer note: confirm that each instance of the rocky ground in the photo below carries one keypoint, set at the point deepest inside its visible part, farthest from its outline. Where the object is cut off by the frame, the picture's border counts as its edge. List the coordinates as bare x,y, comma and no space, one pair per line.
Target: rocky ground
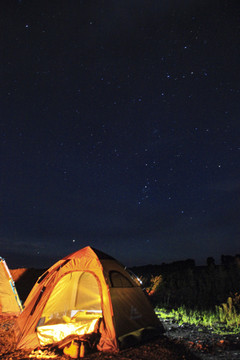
202,343
178,342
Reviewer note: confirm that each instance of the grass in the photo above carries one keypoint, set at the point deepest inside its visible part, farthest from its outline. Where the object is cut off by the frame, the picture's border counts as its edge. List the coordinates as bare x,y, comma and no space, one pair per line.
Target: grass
224,320
185,292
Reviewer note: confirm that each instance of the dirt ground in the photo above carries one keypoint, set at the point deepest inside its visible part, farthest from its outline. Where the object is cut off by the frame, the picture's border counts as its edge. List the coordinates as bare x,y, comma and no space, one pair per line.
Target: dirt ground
178,342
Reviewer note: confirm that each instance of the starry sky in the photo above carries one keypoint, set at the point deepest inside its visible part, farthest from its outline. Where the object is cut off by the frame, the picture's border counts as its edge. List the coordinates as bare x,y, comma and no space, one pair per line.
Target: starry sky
120,129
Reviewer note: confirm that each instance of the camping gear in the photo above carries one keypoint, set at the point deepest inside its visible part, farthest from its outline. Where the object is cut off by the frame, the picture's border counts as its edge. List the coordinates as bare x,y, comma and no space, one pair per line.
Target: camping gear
75,349
82,350
87,294
10,303
72,350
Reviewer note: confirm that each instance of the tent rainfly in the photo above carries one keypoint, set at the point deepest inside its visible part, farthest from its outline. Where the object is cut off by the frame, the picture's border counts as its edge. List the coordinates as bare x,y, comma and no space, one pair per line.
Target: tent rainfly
86,294
10,303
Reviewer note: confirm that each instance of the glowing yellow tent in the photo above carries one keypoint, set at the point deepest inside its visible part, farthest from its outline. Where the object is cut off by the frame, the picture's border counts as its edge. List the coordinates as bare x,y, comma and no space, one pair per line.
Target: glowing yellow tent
10,303
85,293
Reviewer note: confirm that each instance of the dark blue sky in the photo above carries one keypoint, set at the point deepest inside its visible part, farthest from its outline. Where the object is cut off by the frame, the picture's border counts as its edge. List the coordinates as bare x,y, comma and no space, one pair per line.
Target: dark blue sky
120,128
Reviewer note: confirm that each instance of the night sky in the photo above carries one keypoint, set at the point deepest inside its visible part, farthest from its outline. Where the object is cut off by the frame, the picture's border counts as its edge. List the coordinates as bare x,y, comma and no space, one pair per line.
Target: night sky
120,129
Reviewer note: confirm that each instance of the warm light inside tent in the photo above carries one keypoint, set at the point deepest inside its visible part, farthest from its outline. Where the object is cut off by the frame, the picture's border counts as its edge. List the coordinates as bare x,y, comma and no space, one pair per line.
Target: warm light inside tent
74,307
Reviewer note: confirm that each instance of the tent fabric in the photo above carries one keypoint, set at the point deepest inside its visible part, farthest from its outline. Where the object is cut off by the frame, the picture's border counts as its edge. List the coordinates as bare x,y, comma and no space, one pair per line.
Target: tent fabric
89,291
76,290
10,303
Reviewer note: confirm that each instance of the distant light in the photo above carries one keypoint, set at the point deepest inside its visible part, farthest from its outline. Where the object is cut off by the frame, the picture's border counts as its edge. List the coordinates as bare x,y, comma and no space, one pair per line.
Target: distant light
73,240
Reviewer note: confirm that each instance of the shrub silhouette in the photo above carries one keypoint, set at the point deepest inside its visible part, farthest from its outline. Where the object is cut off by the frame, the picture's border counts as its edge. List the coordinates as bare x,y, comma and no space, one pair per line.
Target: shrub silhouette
200,287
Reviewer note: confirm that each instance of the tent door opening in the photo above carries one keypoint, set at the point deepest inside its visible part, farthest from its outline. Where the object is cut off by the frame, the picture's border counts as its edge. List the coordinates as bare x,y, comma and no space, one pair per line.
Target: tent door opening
74,307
